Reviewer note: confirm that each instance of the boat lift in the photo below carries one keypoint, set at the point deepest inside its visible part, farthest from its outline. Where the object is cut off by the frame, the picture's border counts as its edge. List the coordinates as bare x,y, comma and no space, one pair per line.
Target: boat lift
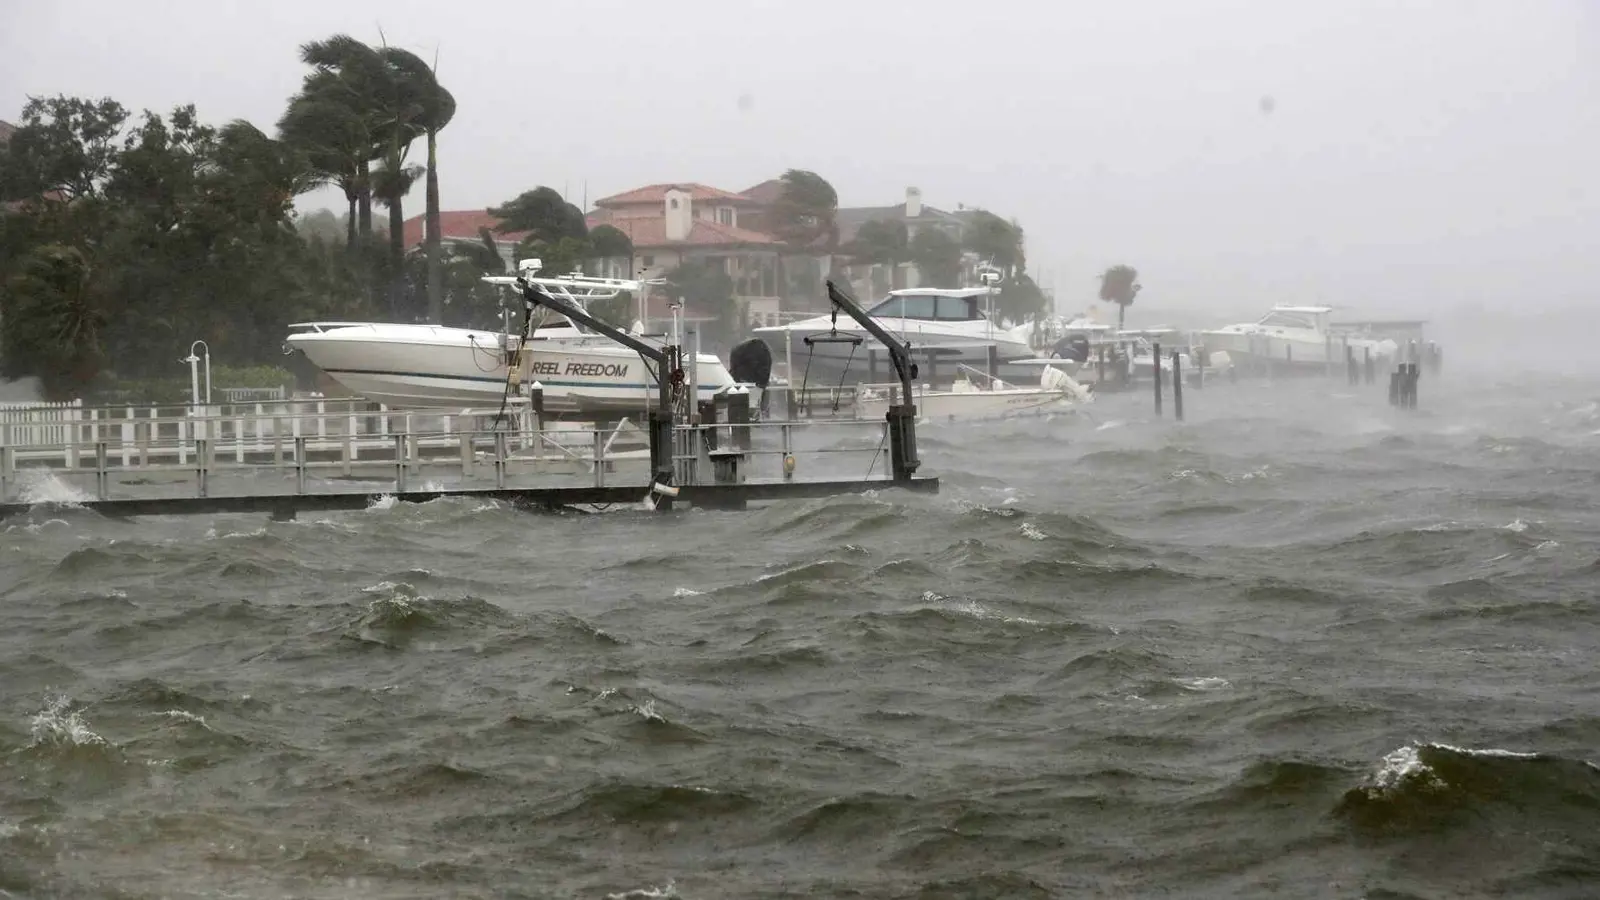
669,374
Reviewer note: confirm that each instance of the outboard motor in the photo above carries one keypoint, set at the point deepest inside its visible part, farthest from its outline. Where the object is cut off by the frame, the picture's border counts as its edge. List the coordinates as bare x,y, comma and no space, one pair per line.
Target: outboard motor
1074,347
751,362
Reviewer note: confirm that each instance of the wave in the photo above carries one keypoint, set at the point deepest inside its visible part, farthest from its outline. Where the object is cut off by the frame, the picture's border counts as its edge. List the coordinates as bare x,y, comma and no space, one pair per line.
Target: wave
1420,788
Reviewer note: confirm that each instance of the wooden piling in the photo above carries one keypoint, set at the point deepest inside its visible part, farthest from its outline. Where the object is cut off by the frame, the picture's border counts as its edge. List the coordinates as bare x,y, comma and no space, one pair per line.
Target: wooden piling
1177,387
1155,362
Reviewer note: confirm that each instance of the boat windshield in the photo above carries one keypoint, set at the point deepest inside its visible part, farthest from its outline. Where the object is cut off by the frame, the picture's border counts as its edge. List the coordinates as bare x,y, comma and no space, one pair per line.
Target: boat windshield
1283,318
930,307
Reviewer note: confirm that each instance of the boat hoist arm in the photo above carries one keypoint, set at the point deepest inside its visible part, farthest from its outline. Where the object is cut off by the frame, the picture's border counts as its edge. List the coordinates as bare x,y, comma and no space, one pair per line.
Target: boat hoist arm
899,351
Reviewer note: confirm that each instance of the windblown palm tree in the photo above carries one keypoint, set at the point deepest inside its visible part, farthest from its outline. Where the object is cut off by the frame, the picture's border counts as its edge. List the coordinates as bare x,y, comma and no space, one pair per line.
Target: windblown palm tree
1119,285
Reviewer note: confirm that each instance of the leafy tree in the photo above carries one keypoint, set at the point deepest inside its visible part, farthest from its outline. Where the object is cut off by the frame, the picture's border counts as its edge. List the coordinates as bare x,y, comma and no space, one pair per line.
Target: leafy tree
54,317
1020,298
186,232
65,145
995,240
322,225
937,256
1120,285
805,213
883,243
609,242
543,212
706,285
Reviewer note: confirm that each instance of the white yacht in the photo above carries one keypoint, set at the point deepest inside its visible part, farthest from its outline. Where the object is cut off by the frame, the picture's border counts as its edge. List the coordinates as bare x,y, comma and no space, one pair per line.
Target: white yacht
955,323
1292,335
434,366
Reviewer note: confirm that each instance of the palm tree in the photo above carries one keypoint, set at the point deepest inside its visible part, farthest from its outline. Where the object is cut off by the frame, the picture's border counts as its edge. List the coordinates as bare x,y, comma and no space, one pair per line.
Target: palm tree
351,76
435,107
336,141
1119,285
389,187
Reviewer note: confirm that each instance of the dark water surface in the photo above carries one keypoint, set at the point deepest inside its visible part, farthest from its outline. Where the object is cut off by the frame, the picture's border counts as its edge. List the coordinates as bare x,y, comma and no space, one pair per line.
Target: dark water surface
1300,646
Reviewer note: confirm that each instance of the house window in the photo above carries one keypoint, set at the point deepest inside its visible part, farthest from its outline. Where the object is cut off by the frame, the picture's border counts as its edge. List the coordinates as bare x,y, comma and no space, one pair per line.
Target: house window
725,215
647,261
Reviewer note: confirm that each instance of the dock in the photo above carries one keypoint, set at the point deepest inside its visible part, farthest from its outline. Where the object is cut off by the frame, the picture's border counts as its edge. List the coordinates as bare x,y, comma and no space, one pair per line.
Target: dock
287,457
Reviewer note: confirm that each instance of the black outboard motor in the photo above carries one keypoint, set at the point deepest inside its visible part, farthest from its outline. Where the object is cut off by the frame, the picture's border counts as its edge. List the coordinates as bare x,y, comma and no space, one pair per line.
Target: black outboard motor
1074,347
751,362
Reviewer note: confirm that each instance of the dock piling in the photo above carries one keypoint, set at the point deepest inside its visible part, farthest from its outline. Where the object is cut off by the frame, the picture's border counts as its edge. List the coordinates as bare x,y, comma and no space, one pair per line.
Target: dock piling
1177,387
1155,363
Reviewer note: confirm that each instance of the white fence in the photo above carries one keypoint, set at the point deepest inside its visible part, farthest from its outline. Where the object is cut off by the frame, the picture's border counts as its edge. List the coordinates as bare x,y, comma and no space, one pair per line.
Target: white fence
40,423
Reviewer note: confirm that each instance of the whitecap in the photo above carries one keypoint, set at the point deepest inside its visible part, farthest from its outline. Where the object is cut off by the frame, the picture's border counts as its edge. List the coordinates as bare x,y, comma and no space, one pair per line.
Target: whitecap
1205,683
649,893
59,725
185,716
1032,533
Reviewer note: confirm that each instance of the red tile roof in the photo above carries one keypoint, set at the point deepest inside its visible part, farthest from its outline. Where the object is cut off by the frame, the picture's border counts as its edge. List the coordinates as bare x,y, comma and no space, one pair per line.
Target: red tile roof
646,231
766,193
650,232
6,131
460,224
657,194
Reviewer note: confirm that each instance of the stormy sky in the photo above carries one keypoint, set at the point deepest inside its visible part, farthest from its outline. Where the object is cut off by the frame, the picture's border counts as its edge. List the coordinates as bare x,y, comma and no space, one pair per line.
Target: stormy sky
1394,156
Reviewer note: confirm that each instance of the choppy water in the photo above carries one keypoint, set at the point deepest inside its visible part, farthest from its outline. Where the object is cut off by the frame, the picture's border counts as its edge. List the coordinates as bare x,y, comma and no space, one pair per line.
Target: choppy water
1301,646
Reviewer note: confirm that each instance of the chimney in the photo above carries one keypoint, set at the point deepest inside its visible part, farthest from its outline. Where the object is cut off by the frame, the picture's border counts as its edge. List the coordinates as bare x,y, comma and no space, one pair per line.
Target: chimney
913,202
680,215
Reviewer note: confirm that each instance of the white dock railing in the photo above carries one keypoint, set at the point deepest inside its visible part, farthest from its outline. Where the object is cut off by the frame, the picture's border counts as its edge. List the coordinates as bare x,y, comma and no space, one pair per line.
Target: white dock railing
129,452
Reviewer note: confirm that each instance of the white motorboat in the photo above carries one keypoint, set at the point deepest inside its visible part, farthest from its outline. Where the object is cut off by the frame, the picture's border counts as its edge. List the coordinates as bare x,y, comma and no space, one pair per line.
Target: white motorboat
966,401
1292,335
955,323
433,366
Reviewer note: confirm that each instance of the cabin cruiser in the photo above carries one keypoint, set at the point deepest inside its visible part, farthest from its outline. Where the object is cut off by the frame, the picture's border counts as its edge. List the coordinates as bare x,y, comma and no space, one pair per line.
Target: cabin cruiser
1292,335
956,324
434,366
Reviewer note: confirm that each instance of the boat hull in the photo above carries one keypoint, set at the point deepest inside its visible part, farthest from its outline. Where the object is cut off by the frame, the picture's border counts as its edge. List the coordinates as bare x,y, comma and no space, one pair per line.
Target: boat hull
407,371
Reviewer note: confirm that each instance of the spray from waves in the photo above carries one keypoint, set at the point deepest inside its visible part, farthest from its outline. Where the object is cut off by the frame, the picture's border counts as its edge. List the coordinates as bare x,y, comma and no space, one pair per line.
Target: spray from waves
41,486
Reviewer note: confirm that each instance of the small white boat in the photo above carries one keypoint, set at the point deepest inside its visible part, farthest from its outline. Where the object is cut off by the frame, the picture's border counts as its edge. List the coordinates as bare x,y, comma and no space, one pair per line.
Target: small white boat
966,401
433,366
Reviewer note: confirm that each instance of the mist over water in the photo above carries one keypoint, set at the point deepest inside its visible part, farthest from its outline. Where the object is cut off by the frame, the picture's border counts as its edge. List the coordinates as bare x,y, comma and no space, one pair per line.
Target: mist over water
1301,645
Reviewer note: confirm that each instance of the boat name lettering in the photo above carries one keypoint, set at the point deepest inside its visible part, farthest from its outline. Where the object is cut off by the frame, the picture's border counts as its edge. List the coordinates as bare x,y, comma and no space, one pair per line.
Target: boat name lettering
602,370
545,367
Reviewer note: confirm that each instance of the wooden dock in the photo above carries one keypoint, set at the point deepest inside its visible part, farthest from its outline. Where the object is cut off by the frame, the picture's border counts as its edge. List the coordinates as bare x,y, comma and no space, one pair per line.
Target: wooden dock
287,457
